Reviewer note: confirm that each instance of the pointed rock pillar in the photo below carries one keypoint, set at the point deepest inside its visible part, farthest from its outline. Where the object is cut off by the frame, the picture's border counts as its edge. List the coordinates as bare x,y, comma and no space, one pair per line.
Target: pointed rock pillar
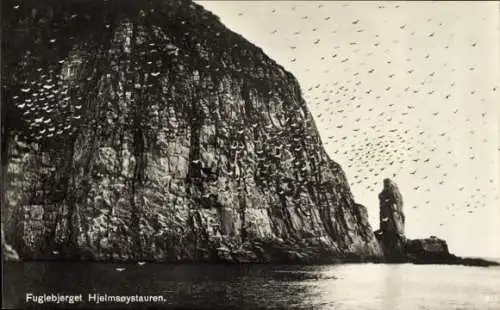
391,233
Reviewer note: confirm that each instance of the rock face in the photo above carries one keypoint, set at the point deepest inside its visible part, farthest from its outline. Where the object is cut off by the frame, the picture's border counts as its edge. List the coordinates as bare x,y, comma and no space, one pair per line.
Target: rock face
8,253
433,250
431,247
147,130
391,233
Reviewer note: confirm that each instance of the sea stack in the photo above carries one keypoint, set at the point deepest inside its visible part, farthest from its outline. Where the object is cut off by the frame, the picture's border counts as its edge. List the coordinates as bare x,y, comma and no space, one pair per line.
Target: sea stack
391,233
399,249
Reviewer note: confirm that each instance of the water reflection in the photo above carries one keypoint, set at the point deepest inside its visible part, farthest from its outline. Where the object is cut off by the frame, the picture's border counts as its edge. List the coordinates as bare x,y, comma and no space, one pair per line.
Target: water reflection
350,286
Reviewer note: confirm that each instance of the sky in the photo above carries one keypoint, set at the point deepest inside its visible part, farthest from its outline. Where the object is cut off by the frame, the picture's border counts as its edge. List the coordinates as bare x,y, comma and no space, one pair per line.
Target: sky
405,90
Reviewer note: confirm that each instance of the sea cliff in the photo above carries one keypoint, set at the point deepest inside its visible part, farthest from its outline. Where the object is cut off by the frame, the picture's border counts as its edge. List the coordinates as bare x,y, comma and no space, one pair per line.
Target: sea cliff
146,130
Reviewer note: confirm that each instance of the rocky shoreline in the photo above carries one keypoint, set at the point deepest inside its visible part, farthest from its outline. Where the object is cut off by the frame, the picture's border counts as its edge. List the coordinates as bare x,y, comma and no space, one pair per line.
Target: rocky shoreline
461,261
397,249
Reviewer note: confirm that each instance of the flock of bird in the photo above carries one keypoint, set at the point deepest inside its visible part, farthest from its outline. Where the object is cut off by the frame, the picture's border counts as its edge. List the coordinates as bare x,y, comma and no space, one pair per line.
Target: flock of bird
42,98
394,94
398,92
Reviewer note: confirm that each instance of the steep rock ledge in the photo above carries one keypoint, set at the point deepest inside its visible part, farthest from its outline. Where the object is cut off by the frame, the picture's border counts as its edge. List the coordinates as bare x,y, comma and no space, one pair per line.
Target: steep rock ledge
146,130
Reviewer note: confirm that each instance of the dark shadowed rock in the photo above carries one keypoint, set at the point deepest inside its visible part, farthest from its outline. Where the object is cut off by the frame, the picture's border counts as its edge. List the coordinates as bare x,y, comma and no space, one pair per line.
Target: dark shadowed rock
433,250
146,130
391,233
8,253
431,247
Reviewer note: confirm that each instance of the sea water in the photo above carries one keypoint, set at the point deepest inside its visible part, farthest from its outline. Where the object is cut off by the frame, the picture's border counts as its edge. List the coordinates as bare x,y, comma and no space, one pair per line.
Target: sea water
343,286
